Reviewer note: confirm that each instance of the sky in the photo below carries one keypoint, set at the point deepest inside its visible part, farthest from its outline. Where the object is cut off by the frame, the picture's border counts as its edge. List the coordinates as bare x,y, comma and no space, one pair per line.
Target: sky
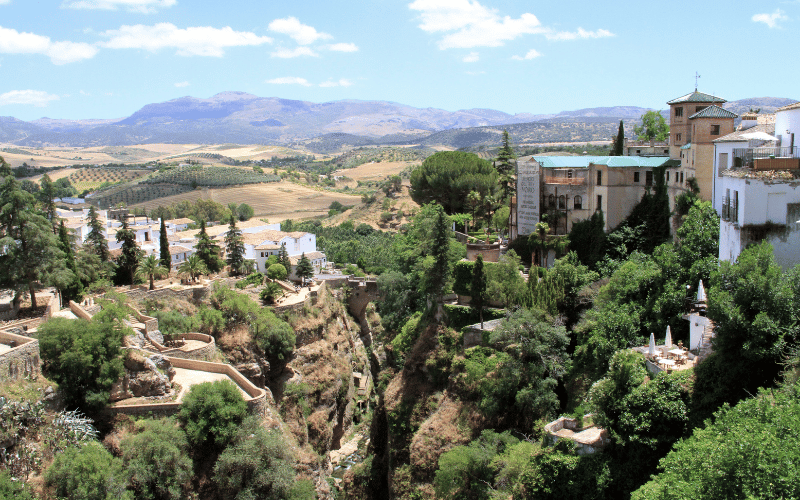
104,59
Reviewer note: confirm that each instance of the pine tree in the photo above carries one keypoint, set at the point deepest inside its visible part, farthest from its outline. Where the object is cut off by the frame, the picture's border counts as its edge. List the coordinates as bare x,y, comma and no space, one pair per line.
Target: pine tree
304,268
74,289
437,274
506,167
478,287
46,196
234,248
96,239
128,260
163,242
283,257
208,251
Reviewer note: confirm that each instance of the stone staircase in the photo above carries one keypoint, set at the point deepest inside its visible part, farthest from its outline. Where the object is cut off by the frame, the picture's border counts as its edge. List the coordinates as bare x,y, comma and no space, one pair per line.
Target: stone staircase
706,347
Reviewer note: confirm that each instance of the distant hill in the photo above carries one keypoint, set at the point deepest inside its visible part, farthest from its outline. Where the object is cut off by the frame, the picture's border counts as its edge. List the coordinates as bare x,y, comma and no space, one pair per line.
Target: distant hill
241,118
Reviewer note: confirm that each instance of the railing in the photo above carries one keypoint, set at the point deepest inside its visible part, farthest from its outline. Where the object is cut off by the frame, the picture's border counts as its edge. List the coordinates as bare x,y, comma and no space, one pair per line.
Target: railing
747,155
730,210
570,181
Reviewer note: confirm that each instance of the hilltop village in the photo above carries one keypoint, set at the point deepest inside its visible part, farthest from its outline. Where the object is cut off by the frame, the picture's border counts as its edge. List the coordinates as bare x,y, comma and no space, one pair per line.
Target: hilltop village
615,322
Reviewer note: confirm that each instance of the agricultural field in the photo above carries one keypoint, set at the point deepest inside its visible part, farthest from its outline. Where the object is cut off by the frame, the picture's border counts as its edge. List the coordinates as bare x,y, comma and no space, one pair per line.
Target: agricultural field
276,201
373,171
196,175
92,178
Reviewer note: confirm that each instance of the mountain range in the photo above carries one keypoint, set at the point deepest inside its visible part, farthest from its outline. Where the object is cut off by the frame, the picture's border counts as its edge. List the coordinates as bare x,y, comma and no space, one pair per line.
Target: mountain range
238,117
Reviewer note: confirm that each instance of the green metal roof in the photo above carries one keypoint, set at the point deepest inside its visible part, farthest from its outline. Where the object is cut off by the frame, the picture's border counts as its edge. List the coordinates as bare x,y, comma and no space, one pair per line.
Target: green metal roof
609,161
713,111
697,97
687,146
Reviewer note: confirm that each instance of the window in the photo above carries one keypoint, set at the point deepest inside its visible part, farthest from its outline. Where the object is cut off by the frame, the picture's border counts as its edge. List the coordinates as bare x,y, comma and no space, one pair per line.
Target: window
569,174
648,178
562,202
677,138
678,112
681,177
714,129
599,202
577,203
636,177
551,200
666,151
667,176
722,164
599,177
638,151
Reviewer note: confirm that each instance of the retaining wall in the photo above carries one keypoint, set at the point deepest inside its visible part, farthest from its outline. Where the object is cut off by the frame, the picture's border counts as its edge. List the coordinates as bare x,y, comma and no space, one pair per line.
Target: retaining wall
258,400
22,360
201,353
79,311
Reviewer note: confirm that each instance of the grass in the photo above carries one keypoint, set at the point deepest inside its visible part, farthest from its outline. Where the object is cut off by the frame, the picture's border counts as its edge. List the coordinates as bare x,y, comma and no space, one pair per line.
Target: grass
26,389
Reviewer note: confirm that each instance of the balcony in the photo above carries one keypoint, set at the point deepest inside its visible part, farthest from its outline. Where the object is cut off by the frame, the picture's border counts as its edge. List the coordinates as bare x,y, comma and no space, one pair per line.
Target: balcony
730,210
564,181
746,157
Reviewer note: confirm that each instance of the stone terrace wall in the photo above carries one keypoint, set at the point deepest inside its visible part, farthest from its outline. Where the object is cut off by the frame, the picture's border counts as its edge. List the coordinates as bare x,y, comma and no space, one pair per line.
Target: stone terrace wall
21,361
258,400
201,353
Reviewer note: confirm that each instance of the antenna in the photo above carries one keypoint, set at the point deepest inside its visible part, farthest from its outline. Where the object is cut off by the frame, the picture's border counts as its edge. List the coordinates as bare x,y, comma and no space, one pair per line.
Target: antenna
696,77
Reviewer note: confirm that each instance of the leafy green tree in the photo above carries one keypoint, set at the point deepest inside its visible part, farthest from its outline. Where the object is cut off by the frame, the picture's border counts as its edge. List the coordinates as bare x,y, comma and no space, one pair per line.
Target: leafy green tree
89,472
234,248
150,268
478,295
128,261
437,264
588,239
208,251
96,238
11,489
211,413
258,463
163,244
617,146
304,268
653,126
697,244
277,272
193,267
157,459
31,257
747,451
270,293
505,284
244,212
448,177
84,357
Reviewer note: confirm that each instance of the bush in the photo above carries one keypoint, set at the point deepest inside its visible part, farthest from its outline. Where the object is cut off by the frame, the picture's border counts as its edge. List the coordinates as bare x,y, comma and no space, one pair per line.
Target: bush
14,490
211,413
88,473
277,272
270,292
156,459
408,335
252,279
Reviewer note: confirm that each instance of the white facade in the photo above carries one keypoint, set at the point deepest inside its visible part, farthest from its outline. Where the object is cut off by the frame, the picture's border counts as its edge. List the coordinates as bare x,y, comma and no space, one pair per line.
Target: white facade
787,126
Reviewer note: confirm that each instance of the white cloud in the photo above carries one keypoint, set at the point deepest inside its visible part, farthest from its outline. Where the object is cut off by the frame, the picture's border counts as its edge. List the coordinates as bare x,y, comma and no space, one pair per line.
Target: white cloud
4,2
182,84
142,6
532,54
290,80
336,83
285,53
37,98
343,47
14,42
771,20
474,73
581,33
194,41
469,24
301,33
471,57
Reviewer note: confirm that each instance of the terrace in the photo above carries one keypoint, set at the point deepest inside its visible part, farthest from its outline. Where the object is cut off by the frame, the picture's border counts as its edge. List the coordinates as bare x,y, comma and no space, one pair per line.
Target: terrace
764,158
566,177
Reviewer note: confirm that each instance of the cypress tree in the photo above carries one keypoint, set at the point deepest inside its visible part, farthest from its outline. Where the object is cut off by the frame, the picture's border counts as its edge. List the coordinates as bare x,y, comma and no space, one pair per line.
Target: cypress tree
96,239
208,251
128,260
505,166
165,257
304,267
619,142
478,287
283,257
234,247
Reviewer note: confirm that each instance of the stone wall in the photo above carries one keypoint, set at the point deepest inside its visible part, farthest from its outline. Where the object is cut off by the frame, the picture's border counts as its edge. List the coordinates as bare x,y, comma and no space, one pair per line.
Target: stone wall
79,311
206,352
22,360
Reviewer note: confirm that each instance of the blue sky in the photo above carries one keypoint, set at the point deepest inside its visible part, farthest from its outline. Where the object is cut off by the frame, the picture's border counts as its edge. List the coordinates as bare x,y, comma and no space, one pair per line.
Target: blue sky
81,59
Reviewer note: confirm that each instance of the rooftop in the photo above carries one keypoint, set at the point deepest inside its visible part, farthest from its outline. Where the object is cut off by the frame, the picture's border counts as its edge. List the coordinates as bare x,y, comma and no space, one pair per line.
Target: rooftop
764,175
714,111
697,97
789,107
736,136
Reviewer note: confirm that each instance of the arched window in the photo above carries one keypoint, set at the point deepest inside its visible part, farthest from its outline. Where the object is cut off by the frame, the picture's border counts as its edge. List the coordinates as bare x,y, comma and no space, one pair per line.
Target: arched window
569,174
578,203
562,202
551,200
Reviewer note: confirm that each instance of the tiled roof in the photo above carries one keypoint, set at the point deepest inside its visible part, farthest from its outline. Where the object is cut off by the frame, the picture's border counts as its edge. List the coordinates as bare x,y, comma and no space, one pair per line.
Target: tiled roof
697,97
180,221
789,106
714,111
736,136
176,249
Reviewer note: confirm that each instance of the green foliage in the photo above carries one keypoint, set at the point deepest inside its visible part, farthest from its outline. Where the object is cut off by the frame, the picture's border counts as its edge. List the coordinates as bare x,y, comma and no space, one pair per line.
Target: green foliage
244,212
748,451
478,286
149,268
588,239
618,145
13,490
174,322
163,244
398,299
88,473
467,471
506,167
208,251
195,175
253,279
409,334
128,260
234,249
156,457
460,316
256,464
270,292
96,239
304,267
84,357
211,413
653,127
448,177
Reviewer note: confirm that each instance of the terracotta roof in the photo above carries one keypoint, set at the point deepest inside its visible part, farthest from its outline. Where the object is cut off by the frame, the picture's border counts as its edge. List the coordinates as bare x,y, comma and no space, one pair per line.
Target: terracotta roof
736,136
713,111
176,249
180,221
268,247
697,97
789,106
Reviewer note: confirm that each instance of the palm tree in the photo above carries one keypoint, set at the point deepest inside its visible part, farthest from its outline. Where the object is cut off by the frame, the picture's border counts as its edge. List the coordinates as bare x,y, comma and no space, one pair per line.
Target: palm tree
150,267
193,267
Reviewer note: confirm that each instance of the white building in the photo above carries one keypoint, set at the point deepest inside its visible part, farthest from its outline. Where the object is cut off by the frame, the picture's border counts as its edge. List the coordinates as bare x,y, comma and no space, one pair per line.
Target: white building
760,200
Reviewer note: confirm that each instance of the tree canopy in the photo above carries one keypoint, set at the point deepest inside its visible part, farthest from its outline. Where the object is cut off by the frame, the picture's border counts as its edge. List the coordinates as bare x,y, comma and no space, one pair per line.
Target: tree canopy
448,177
653,126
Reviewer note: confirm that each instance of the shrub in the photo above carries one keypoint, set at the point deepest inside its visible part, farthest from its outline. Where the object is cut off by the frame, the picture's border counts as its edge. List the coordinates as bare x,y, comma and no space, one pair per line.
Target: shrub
277,272
156,459
211,413
408,335
270,292
14,490
88,473
252,279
